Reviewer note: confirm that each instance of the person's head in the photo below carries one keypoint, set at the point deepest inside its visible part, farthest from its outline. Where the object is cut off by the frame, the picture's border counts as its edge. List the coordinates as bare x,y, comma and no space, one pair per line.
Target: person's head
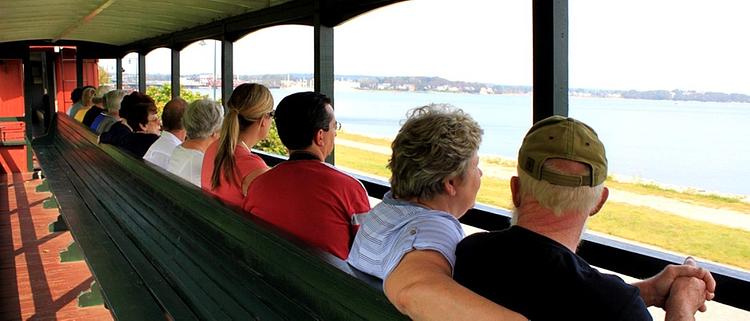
304,119
131,100
142,118
112,101
87,96
75,95
248,108
562,166
98,97
171,117
434,153
202,119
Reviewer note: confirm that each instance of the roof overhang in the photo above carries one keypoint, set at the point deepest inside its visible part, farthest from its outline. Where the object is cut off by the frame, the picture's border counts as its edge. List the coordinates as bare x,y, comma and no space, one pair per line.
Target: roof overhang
112,28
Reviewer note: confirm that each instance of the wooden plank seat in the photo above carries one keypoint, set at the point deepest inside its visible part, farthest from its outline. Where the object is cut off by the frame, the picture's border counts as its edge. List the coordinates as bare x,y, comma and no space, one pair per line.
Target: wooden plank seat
162,249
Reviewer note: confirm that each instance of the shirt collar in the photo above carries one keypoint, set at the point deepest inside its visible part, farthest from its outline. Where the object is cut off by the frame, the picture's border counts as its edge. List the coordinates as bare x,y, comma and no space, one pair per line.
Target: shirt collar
302,155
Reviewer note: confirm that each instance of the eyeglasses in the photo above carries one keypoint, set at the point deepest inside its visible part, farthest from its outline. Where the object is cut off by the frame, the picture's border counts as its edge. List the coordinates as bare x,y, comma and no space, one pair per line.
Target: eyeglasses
272,113
337,126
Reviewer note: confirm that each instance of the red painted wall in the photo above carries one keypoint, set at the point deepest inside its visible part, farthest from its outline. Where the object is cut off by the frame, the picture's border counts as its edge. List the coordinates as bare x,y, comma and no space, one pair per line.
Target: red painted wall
65,70
11,88
12,158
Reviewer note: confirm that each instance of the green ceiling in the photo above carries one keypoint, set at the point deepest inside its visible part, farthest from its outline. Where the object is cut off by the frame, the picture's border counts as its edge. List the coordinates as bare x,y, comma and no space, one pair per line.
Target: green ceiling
113,22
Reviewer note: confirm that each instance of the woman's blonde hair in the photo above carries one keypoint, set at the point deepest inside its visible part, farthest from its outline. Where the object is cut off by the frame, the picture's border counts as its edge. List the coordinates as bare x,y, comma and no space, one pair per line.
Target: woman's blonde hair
248,104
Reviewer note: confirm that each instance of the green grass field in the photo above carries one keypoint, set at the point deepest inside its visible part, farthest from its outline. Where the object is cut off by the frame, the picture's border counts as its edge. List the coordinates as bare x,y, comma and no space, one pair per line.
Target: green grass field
645,225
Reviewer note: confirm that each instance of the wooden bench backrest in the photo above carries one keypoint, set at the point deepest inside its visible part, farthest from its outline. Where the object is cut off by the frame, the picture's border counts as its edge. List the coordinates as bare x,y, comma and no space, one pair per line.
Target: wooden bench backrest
221,264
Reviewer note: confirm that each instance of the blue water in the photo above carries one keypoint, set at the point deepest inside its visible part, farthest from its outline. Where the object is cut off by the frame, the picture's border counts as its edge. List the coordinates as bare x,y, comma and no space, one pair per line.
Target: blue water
689,144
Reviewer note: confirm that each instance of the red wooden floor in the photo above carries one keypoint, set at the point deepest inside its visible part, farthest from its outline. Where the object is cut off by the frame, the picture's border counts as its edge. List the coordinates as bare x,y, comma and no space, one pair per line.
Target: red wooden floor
34,285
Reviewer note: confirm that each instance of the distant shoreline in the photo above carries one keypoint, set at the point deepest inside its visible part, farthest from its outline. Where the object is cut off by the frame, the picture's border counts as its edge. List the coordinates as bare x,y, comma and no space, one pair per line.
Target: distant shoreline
510,163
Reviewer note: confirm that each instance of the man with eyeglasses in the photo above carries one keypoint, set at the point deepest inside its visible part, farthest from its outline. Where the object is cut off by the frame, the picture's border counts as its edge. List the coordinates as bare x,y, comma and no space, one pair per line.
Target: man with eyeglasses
305,196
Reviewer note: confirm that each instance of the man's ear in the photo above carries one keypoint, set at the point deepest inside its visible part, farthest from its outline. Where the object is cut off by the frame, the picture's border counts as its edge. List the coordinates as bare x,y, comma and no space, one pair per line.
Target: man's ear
143,128
515,190
602,200
319,138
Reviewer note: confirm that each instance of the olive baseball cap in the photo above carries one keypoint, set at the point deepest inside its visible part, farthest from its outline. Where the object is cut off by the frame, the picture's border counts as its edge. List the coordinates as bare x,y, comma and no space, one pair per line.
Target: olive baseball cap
564,138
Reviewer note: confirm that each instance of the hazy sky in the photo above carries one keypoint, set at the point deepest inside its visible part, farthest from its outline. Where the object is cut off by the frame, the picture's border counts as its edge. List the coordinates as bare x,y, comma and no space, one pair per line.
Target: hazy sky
614,44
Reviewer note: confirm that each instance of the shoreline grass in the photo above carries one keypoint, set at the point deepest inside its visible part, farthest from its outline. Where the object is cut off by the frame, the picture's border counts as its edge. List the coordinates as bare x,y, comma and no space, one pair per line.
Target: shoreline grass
711,200
646,225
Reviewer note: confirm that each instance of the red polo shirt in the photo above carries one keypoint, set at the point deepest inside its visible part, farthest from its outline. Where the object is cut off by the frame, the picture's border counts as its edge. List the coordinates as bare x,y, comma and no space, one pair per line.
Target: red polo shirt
311,200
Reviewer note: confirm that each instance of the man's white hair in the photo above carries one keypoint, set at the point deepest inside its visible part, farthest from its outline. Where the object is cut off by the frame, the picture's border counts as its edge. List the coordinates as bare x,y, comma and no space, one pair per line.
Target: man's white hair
560,199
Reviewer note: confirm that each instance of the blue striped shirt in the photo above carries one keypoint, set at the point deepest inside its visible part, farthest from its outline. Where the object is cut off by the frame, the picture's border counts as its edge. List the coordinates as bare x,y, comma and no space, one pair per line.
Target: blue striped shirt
395,227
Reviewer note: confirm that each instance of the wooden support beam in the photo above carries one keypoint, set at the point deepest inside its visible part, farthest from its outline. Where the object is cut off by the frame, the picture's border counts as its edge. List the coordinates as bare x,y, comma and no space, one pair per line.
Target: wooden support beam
79,70
90,16
118,72
550,19
323,58
142,72
175,73
227,70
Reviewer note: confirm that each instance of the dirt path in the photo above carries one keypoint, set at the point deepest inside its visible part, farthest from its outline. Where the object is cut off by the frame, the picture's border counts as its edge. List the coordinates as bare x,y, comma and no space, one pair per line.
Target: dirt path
723,217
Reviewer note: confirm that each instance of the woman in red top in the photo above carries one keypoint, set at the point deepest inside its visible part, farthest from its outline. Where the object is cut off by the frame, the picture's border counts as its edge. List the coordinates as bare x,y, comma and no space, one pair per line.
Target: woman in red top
228,165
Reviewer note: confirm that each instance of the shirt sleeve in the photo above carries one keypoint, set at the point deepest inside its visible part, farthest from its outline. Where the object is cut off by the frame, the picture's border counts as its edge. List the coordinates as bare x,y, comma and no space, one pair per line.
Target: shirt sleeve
359,204
429,232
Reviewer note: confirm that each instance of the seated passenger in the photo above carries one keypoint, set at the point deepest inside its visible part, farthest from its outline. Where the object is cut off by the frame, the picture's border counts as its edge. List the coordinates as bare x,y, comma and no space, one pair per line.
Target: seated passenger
114,133
409,239
98,107
146,126
75,96
172,133
305,196
532,267
229,165
202,123
111,114
87,95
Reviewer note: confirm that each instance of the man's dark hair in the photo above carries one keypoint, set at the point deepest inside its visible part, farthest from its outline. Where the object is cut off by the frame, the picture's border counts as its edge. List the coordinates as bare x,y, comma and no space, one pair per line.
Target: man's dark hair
130,100
171,117
76,94
138,115
299,116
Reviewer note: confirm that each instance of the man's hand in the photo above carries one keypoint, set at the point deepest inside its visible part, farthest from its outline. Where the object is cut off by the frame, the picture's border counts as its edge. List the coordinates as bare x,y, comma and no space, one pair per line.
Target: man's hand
686,296
655,290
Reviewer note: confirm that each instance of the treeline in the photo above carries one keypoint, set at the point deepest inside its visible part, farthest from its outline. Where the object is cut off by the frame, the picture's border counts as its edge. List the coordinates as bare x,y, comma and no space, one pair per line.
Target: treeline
676,94
433,84
445,85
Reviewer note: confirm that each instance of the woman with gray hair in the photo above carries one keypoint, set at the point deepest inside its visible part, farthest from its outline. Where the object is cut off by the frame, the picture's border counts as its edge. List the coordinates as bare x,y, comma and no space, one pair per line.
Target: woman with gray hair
409,239
202,123
111,113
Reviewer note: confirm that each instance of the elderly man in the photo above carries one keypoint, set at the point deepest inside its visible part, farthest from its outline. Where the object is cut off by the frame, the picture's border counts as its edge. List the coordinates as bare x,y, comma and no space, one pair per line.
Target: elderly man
104,121
409,239
172,133
305,196
532,267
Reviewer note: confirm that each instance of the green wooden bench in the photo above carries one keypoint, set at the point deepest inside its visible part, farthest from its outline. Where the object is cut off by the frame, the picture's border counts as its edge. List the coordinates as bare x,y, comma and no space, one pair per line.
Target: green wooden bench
162,249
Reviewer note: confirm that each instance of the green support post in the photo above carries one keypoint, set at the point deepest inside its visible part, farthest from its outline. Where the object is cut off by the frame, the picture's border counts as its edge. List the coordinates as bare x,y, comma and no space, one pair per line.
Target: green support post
43,187
91,297
71,254
50,202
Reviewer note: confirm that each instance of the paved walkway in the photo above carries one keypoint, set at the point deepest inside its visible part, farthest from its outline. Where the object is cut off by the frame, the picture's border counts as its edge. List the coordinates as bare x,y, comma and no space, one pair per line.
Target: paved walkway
34,285
723,217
